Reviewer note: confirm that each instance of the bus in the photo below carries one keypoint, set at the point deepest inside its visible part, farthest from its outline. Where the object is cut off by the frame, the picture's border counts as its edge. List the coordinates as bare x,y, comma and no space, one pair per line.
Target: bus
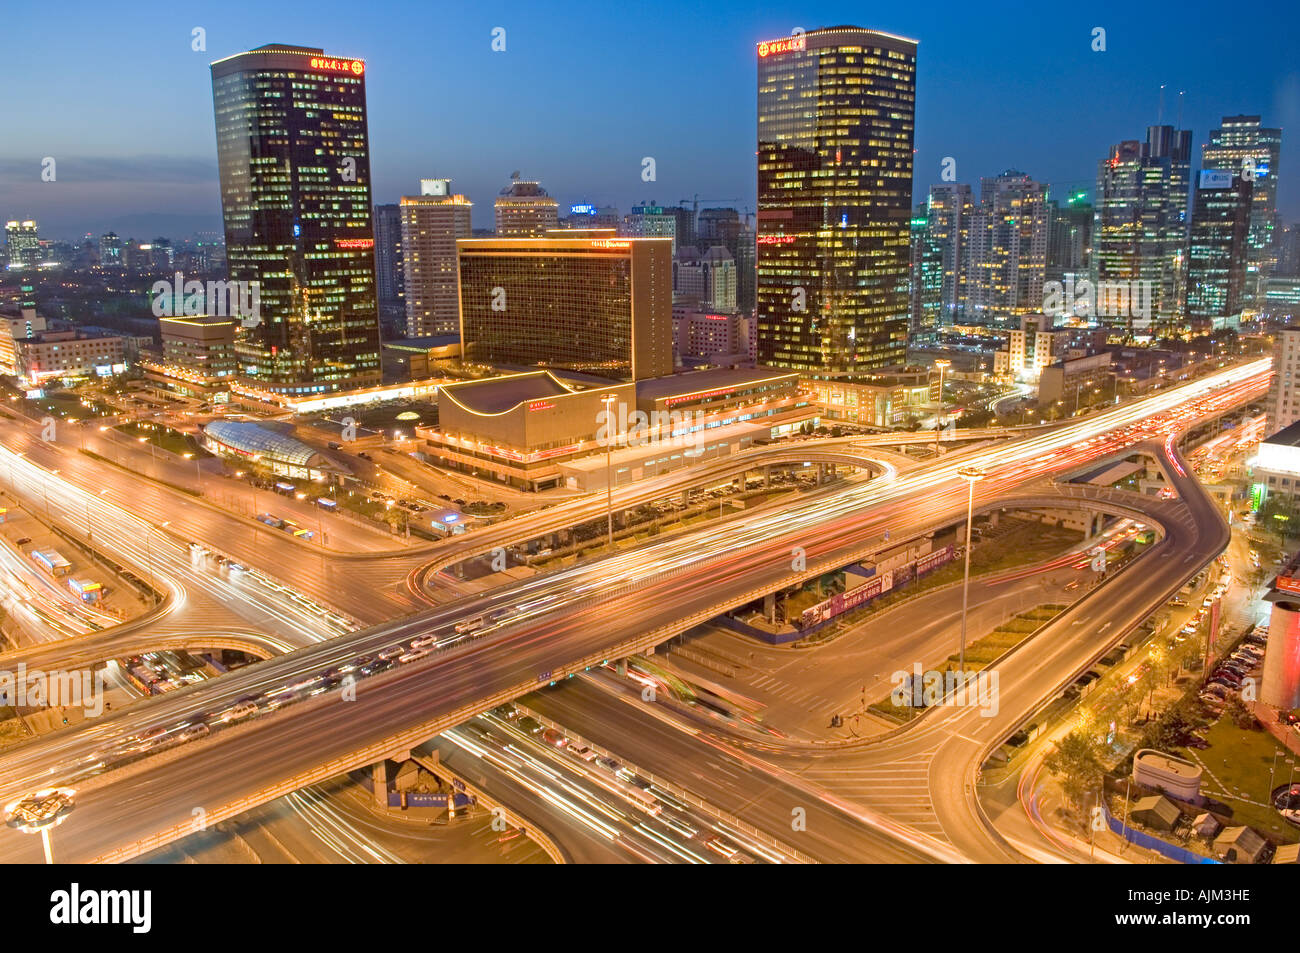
51,562
469,625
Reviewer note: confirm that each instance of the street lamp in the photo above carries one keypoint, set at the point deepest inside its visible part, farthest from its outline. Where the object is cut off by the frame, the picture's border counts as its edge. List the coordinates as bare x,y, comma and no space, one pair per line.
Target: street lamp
943,365
198,474
41,812
971,475
608,401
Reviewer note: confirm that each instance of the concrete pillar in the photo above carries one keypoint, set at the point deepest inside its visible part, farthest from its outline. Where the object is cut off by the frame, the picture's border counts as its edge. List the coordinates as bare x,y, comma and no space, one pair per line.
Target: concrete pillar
769,607
993,519
649,651
379,777
621,667
686,497
767,477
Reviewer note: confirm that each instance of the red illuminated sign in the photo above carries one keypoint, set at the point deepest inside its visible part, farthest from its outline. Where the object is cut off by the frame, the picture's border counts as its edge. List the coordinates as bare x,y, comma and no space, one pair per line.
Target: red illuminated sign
354,243
541,405
775,239
609,243
355,67
789,44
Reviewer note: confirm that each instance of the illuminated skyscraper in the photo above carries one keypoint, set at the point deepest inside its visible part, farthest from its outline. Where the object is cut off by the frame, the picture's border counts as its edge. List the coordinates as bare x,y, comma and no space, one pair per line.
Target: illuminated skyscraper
1007,247
835,126
431,223
23,244
524,210
1217,249
1242,147
948,222
1140,225
294,157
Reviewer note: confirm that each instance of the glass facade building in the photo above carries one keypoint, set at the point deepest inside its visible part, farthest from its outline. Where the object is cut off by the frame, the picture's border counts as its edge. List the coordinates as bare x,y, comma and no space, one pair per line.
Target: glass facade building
836,110
1217,249
599,306
294,161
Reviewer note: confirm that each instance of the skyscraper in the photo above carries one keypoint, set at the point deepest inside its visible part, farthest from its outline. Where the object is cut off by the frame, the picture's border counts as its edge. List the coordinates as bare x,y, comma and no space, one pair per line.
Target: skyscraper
1069,236
1008,248
389,279
1140,225
431,223
524,210
23,243
948,221
600,306
648,220
1217,249
925,311
294,158
835,127
1241,146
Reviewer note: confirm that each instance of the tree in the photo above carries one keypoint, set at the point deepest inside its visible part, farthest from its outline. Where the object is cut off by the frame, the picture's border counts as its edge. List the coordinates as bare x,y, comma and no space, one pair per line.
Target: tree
1076,761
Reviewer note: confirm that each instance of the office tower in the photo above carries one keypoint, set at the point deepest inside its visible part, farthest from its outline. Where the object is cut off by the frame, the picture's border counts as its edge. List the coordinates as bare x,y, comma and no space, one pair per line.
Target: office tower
925,309
1283,403
1008,248
651,221
389,278
588,216
708,280
162,256
1240,145
684,231
110,252
524,210
948,221
1069,237
600,306
431,224
1140,226
725,227
1217,249
294,157
1288,251
835,127
23,243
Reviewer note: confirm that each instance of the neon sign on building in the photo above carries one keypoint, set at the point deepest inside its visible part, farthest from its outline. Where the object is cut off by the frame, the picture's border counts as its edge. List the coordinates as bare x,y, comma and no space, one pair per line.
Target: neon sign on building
355,67
789,44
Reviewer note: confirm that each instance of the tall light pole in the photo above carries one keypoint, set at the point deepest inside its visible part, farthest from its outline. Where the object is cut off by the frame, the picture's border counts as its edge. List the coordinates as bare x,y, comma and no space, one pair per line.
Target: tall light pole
943,365
971,475
608,401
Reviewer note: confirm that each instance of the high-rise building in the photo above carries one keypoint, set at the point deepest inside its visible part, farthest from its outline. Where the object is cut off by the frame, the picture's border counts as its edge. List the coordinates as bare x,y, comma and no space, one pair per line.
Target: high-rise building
836,110
925,311
110,252
725,227
389,278
432,222
524,210
1217,249
23,243
1140,225
599,306
294,157
1069,237
1240,145
1288,251
1283,404
708,280
684,232
652,221
948,221
587,216
1008,248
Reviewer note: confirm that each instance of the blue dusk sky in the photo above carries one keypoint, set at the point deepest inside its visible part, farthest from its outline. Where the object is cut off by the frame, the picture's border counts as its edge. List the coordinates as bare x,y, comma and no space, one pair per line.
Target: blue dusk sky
115,94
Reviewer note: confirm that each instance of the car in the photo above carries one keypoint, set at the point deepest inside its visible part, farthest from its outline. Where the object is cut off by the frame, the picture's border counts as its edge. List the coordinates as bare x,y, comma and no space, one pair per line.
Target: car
390,653
423,641
414,656
530,725
553,737
194,732
23,541
356,664
720,846
609,764
237,712
508,712
582,752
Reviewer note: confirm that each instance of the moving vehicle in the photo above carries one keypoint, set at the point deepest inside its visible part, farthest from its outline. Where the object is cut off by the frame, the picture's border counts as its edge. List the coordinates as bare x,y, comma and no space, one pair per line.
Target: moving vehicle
392,652
412,656
469,625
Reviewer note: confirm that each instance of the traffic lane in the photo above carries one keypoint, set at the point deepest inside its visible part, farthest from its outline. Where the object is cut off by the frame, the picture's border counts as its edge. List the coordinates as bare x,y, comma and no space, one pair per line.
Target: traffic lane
708,770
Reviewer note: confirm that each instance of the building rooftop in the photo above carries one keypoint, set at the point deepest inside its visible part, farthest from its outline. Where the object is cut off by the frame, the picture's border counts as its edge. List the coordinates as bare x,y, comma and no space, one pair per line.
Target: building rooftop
496,395
425,343
1286,437
691,382
245,435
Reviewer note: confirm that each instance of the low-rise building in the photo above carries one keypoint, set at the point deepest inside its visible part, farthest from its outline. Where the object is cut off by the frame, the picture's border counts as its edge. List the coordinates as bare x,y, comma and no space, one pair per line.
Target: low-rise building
57,355
541,429
1065,380
883,400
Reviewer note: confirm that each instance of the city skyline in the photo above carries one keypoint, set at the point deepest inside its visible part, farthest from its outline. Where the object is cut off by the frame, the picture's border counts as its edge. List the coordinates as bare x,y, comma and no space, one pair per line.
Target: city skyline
147,165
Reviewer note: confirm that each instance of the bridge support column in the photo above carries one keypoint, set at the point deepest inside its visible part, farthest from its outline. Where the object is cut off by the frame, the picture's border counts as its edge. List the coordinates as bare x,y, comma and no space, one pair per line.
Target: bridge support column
769,608
686,497
379,778
621,667
767,477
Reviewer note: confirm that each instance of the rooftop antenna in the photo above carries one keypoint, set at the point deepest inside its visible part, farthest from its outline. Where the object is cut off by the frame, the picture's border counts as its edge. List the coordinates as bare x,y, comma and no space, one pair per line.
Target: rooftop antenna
1160,112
